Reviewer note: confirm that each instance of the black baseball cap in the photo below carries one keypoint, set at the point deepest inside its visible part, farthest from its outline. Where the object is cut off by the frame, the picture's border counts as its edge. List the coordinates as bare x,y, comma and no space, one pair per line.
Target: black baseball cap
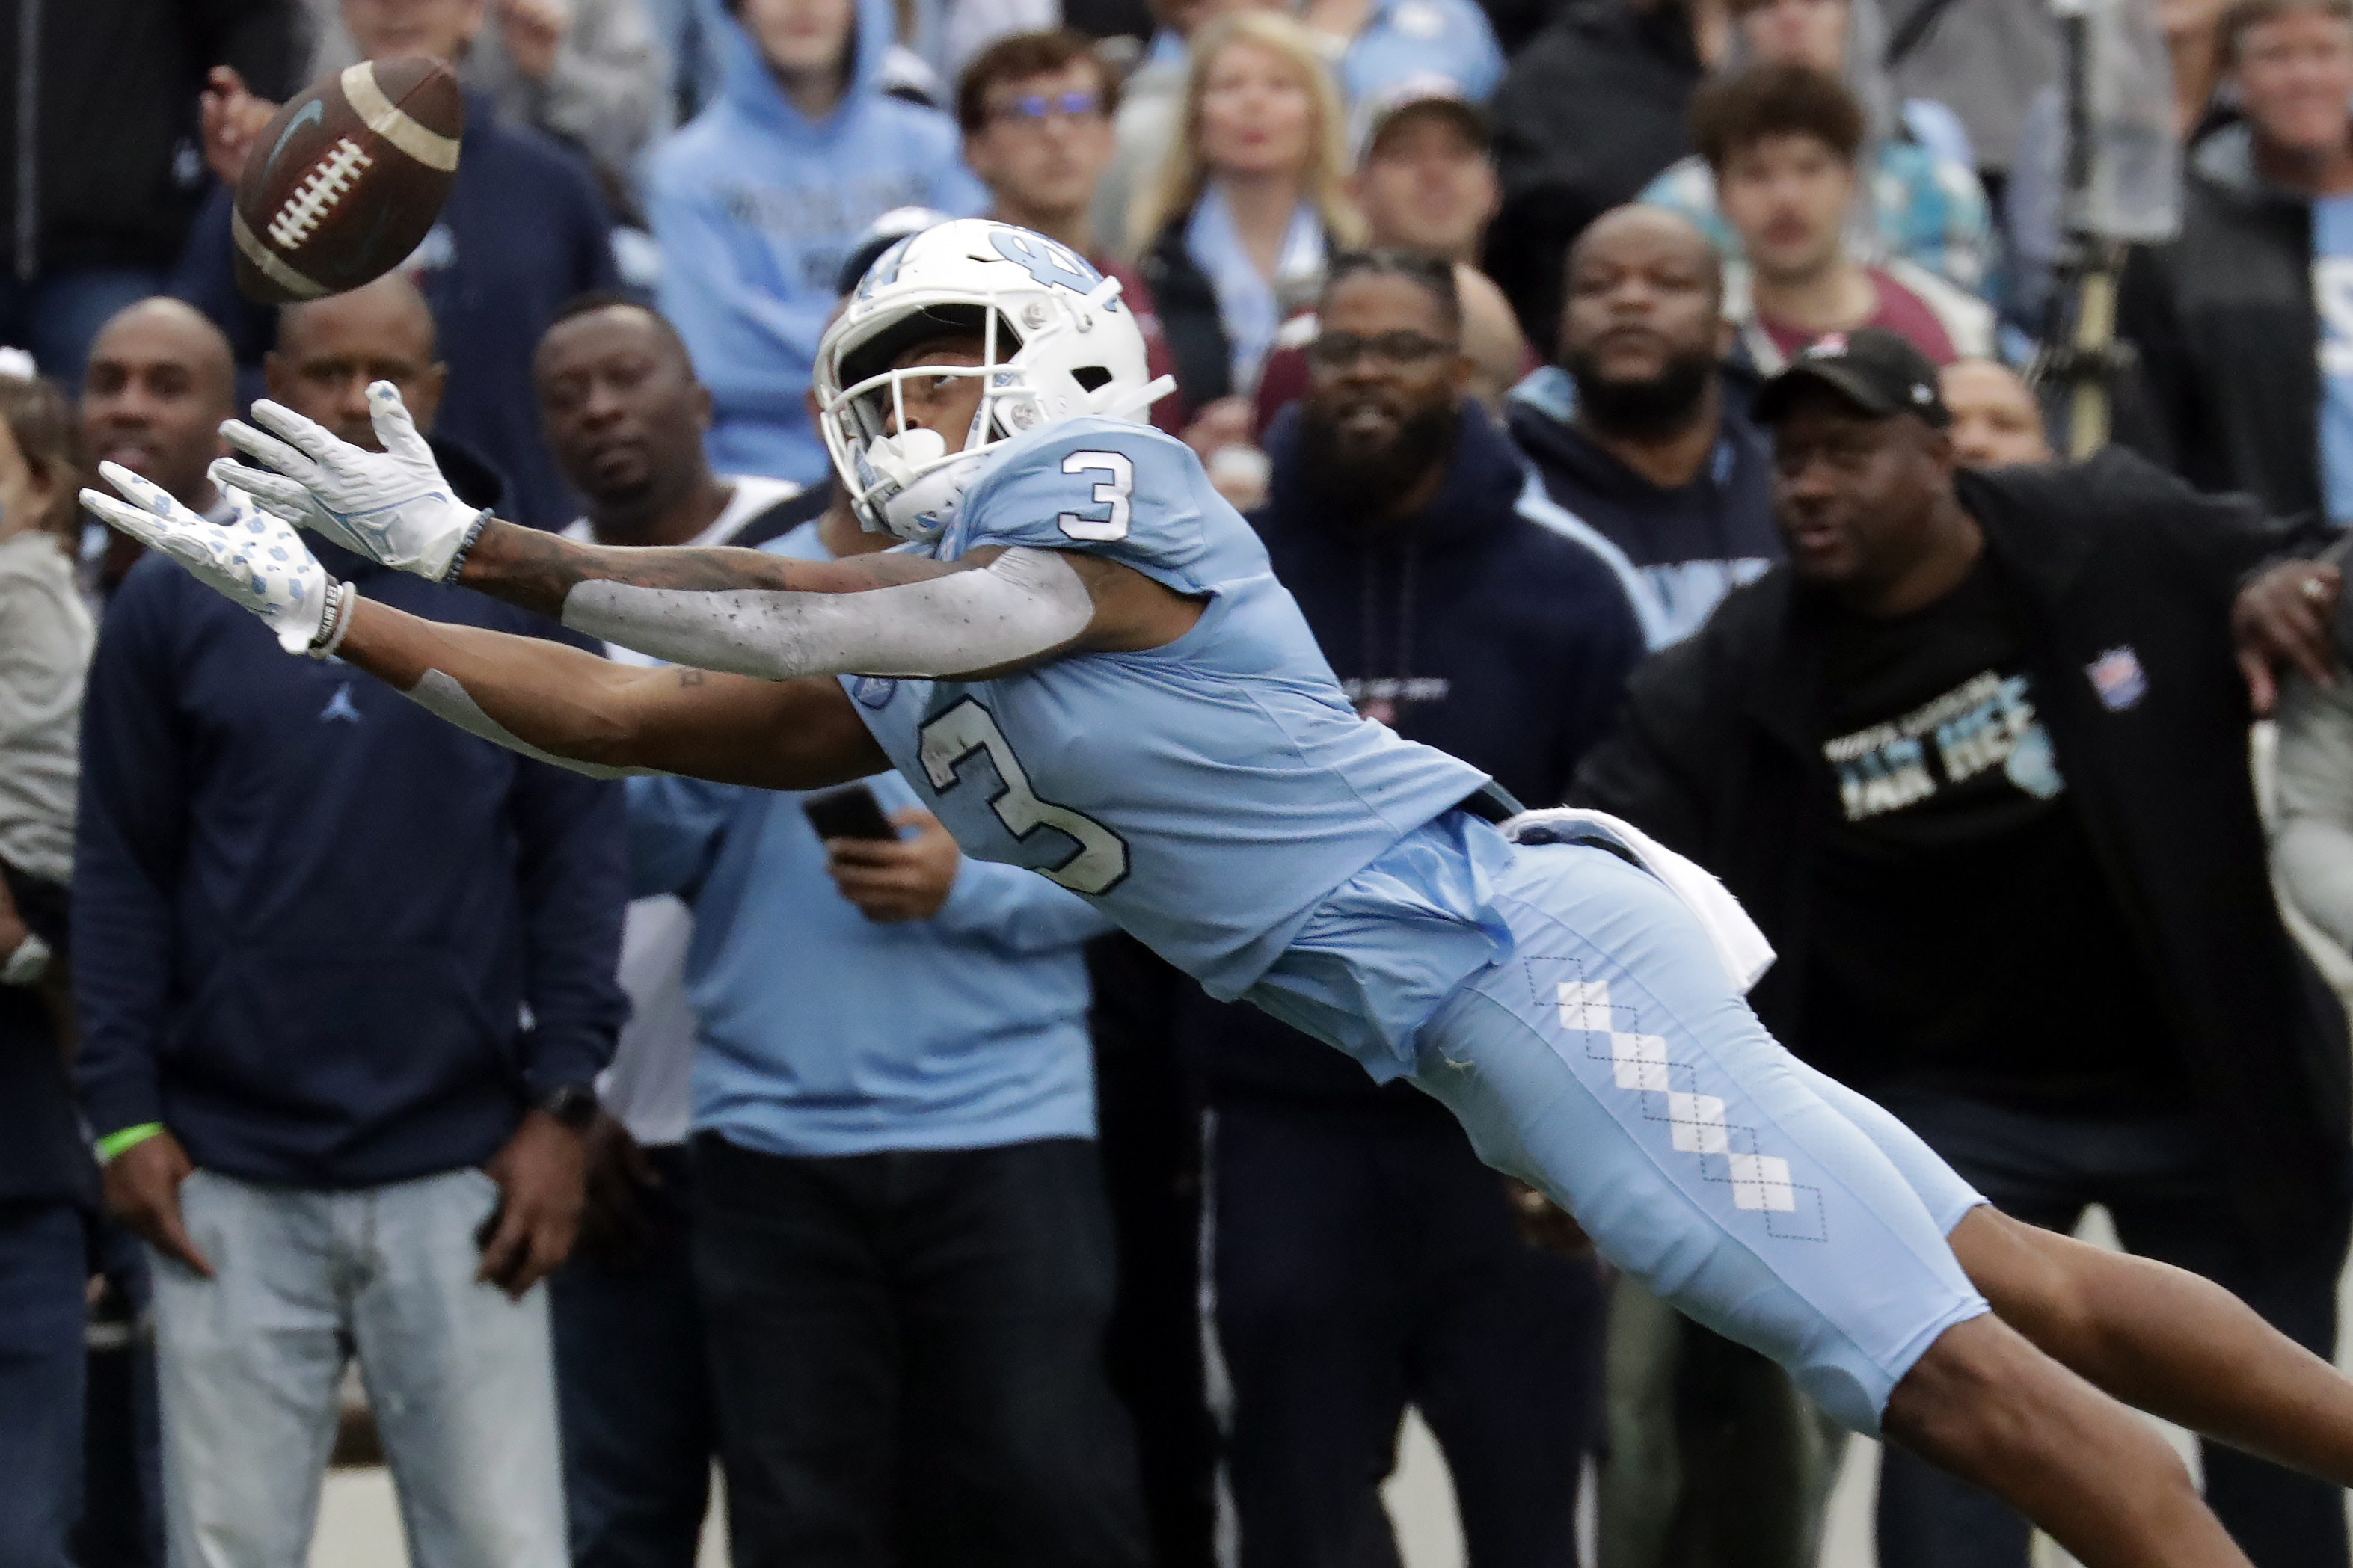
1880,371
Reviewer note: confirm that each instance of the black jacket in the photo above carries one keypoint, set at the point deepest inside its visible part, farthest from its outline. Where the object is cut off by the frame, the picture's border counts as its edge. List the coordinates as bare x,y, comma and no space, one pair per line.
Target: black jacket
2228,339
1590,111
1475,630
111,85
1187,306
1718,755
1690,545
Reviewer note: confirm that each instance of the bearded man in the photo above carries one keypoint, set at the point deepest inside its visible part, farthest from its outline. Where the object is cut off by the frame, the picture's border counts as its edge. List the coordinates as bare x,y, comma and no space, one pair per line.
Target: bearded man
1364,1259
1637,431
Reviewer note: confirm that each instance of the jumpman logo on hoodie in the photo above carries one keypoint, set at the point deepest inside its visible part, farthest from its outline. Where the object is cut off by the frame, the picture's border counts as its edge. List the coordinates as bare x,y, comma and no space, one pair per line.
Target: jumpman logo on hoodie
340,706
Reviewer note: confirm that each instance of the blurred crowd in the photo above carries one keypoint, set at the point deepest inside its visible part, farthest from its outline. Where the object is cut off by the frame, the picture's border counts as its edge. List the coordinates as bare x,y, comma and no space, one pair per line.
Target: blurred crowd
604,1134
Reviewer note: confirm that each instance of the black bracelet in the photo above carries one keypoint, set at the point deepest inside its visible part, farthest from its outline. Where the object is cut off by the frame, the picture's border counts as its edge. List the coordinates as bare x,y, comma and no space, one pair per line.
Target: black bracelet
482,520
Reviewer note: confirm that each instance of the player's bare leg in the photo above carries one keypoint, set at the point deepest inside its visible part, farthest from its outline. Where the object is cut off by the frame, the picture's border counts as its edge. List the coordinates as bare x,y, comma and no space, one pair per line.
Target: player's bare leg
2164,1340
1985,1405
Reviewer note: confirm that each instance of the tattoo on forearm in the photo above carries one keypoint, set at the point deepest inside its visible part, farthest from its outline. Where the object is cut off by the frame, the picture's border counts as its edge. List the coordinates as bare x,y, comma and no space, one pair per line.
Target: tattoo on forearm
691,677
535,569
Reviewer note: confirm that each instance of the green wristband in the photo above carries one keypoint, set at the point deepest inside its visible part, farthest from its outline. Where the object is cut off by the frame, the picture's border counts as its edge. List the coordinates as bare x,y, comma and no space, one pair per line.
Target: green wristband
115,1144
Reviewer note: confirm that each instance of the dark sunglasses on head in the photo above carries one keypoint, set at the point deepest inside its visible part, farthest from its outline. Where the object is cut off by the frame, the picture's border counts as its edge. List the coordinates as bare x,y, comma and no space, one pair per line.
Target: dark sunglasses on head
1338,351
1034,109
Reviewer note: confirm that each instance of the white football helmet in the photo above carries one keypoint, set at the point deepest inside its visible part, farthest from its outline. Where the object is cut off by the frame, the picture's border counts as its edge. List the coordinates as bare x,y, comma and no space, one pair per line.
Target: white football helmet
1056,343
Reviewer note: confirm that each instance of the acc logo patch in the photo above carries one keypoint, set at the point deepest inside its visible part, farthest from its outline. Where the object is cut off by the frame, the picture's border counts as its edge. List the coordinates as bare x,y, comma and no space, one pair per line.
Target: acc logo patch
873,691
2117,676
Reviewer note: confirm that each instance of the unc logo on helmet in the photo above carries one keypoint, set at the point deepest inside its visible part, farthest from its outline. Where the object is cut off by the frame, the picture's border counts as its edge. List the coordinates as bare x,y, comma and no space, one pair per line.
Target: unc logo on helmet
1048,340
1053,265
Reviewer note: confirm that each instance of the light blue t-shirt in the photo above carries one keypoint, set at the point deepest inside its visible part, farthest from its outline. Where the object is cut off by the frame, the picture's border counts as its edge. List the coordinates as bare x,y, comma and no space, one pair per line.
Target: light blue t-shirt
821,1033
2332,297
1210,796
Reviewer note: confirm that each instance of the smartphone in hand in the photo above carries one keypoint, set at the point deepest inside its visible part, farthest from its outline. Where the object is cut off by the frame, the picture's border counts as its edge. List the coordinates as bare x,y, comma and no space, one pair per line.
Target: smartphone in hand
850,812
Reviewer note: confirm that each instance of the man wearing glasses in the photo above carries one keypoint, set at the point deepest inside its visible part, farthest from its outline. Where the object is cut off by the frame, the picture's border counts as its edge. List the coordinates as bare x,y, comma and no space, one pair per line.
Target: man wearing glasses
1364,1259
1036,108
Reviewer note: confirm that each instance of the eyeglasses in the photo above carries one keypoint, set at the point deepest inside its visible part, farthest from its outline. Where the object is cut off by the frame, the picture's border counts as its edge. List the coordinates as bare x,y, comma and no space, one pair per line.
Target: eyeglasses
1036,107
1335,351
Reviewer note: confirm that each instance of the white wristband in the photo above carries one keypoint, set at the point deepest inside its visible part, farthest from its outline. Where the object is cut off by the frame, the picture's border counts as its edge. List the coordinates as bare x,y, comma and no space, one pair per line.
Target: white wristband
341,598
27,964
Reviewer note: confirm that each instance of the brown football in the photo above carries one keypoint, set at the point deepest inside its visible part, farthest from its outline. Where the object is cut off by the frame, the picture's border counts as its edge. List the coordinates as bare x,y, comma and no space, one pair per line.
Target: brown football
346,179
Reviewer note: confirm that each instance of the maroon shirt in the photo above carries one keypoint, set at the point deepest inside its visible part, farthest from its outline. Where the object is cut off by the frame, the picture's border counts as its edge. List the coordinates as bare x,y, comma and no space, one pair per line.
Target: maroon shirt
1899,310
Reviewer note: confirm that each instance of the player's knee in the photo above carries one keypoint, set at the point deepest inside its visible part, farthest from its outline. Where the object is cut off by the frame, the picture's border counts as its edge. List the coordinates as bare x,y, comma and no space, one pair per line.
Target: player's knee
1975,1402
2028,1276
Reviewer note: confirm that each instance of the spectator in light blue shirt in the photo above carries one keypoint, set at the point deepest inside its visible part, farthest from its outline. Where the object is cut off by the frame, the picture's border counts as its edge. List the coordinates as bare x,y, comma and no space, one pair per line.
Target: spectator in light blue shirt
903,1247
1376,44
756,202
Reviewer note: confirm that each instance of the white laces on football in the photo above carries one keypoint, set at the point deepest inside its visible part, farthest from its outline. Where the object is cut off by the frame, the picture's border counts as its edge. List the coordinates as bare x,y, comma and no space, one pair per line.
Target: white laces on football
391,506
254,558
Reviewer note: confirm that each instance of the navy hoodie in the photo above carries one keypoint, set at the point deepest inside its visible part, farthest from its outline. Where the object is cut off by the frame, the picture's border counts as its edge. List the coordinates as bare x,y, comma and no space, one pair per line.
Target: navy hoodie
1470,627
524,230
1690,547
308,916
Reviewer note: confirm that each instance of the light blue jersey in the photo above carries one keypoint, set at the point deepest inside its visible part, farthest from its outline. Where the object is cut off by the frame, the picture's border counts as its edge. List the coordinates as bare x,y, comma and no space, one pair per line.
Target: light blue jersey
1207,795
1219,798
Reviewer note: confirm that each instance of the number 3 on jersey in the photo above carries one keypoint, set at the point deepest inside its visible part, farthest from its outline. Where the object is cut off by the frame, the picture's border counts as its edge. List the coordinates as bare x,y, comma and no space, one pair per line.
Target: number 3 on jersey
1112,492
1101,861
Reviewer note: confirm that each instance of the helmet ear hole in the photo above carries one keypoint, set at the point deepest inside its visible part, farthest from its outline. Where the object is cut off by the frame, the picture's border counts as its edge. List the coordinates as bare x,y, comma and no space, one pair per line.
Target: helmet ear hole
1091,378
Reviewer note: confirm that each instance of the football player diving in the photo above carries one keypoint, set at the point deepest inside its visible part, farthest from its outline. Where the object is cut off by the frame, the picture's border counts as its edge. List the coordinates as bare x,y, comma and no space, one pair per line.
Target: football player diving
1082,662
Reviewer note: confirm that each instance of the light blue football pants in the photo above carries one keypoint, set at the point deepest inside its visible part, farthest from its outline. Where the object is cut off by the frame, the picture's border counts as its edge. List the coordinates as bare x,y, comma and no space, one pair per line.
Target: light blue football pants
1610,1061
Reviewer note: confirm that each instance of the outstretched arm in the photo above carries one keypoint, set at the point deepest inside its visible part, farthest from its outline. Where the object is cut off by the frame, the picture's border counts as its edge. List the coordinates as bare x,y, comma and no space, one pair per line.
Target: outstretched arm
722,609
751,613
570,707
540,697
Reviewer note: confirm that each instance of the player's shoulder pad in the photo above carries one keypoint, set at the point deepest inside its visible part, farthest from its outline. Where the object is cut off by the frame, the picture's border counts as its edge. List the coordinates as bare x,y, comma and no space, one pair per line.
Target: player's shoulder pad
1107,487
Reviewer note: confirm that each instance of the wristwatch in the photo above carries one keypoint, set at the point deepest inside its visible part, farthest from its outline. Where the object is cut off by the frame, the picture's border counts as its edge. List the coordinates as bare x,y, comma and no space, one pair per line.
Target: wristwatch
573,1104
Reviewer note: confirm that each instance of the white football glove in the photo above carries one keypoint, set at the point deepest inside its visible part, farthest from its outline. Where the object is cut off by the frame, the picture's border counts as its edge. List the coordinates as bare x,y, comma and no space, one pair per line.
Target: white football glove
254,559
391,506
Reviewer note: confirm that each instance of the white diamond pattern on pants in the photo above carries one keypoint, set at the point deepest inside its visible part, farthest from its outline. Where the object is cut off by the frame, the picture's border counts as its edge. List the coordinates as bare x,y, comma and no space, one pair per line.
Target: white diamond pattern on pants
1584,1005
1641,1061
1762,1182
1696,1123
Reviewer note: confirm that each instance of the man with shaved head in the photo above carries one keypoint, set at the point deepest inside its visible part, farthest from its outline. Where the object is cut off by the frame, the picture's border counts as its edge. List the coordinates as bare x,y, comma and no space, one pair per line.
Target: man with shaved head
379,1165
329,352
1642,440
159,381
891,1090
1996,419
624,416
